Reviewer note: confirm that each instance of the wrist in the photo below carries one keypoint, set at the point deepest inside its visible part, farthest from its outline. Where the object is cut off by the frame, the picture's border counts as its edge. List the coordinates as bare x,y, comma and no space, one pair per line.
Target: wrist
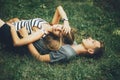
50,29
11,28
64,19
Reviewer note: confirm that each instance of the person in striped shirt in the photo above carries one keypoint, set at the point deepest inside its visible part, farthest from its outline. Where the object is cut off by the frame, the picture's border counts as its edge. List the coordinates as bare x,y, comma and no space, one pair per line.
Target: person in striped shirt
41,24
53,44
28,24
42,52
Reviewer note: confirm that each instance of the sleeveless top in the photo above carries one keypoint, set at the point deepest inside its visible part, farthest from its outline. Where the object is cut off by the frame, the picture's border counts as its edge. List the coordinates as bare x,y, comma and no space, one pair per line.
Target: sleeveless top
37,22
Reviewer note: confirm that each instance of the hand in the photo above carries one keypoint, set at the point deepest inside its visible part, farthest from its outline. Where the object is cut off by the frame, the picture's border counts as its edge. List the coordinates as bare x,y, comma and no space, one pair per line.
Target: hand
66,27
12,27
23,32
48,29
35,29
13,20
57,27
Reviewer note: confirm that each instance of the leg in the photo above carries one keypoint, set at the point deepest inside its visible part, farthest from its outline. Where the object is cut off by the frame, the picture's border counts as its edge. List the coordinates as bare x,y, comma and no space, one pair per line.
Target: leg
5,32
1,23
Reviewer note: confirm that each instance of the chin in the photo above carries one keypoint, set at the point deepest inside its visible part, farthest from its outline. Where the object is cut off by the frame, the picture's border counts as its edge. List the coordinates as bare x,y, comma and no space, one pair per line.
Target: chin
83,41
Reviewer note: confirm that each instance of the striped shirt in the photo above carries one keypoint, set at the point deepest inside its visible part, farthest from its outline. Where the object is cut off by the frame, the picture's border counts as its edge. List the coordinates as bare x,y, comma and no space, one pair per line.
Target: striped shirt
37,22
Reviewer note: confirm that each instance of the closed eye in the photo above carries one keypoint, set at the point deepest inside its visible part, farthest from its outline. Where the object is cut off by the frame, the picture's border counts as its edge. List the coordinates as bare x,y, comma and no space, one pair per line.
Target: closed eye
93,41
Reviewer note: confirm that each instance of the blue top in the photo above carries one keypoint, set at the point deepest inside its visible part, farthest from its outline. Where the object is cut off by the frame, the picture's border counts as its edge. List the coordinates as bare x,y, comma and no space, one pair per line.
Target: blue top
63,54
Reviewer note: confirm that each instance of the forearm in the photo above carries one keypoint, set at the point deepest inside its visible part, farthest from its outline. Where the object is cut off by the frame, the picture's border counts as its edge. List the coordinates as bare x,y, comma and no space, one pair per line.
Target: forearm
59,13
14,34
63,16
26,40
56,17
62,12
36,54
66,26
33,51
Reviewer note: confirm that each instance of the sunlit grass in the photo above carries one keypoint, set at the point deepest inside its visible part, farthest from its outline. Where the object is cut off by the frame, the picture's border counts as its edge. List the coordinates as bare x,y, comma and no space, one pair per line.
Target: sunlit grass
116,32
88,19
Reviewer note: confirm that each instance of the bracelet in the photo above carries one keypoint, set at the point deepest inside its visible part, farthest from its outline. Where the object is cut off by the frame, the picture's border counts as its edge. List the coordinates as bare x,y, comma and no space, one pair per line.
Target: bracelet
64,19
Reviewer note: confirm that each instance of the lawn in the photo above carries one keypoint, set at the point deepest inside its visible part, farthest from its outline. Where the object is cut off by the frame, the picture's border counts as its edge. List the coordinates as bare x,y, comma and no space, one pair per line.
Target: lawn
88,17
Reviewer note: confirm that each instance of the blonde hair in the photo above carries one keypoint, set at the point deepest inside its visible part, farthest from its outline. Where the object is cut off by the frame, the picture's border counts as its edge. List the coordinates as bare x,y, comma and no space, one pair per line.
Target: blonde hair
69,37
54,42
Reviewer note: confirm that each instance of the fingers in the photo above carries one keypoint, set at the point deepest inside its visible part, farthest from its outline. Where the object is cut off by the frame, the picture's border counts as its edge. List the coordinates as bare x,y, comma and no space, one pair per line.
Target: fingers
66,30
35,29
23,32
57,28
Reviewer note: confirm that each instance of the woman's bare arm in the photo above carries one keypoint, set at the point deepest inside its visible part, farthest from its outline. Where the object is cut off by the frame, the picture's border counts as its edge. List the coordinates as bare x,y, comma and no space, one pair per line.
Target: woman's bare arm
61,14
13,20
36,54
26,40
33,50
56,17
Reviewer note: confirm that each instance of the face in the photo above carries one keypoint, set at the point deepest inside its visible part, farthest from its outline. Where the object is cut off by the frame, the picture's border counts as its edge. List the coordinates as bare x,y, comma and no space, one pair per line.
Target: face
90,44
57,28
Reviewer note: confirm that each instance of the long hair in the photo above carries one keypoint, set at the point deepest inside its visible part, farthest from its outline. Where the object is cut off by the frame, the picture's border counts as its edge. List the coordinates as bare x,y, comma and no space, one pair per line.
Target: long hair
54,42
69,37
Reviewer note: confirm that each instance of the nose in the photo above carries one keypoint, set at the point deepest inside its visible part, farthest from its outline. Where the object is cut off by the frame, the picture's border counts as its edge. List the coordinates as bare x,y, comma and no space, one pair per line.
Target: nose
90,38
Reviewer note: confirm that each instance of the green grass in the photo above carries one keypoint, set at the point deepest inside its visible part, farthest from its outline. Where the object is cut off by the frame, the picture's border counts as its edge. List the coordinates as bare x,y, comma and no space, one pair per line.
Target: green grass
90,20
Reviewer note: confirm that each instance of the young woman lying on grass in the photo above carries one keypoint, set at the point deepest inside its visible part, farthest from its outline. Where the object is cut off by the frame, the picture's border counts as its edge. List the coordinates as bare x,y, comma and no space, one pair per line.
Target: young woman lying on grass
54,27
63,53
50,48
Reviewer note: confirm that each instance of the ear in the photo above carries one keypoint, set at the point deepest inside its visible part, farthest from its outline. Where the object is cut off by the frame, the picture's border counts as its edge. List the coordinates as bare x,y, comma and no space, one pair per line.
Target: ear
91,51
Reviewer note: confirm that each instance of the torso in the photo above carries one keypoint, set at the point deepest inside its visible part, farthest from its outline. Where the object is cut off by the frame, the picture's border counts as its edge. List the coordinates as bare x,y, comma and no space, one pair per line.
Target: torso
37,22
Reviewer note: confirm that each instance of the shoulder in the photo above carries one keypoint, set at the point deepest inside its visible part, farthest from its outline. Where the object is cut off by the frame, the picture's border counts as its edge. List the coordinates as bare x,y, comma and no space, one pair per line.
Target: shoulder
39,19
69,51
64,53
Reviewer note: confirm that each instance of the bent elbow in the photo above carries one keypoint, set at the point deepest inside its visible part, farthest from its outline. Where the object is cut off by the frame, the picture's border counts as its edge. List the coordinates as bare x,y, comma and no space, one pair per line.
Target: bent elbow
15,44
60,6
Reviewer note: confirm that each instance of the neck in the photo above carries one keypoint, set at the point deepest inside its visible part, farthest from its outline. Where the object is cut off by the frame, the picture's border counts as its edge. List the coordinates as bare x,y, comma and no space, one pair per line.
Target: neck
79,49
